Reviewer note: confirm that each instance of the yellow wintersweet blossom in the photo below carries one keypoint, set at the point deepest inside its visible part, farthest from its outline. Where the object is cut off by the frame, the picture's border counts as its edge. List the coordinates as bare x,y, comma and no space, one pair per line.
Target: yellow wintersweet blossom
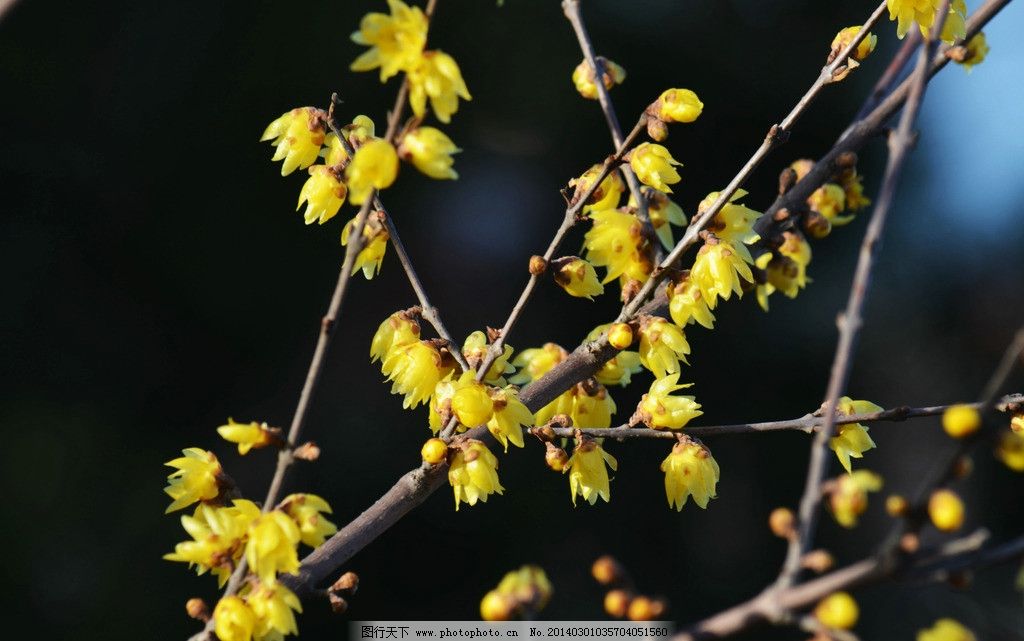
662,346
437,77
273,606
977,50
536,362
837,611
946,510
297,135
787,269
374,166
475,350
430,150
662,211
249,436
616,242
471,403
592,406
233,620
607,194
577,277
307,510
848,499
620,369
690,470
1011,450
473,473
586,83
960,421
323,193
907,12
687,304
829,200
415,370
846,36
357,132
396,40
218,538
659,409
528,587
853,189
946,630
375,244
677,105
510,415
654,166
588,476
270,549
401,328
720,268
196,478
563,404
852,439
734,222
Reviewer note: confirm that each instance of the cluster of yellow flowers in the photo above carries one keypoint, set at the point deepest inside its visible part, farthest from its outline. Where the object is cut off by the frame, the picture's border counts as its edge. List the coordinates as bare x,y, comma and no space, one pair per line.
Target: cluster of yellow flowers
222,535
924,12
521,593
839,611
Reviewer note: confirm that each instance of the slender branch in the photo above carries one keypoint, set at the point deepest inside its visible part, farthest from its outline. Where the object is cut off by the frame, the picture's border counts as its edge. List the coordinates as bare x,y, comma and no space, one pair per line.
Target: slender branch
851,320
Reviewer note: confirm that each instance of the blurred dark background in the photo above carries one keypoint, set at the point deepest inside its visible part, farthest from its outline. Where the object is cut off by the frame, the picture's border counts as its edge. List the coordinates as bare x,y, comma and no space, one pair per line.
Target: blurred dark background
157,281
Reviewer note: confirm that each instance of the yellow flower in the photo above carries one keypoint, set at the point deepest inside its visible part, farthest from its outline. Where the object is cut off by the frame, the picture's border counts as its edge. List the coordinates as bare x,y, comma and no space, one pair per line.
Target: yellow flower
536,362
510,414
270,549
415,370
620,369
659,409
307,510
395,40
273,605
690,470
592,406
687,304
946,510
563,404
946,630
906,12
837,611
961,421
849,498
249,435
719,269
323,194
297,135
662,346
401,328
475,350
607,194
1017,422
734,222
528,587
437,77
430,150
586,82
374,166
496,606
787,269
1011,450
359,131
852,438
829,200
678,105
233,620
577,277
653,165
471,403
434,451
473,473
620,335
196,478
847,35
218,538
616,242
661,211
977,50
587,473
853,188
375,244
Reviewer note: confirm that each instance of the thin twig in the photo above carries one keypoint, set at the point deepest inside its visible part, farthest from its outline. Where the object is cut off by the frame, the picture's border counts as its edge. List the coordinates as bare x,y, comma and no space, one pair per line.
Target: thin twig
850,322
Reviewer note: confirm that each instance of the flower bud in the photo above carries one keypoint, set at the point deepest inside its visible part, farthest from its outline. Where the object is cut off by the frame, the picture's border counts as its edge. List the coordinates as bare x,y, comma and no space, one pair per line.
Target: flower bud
838,610
657,129
816,225
818,561
308,451
946,510
616,603
496,606
896,505
642,608
677,105
620,336
434,451
960,421
782,523
607,571
538,265
197,609
555,457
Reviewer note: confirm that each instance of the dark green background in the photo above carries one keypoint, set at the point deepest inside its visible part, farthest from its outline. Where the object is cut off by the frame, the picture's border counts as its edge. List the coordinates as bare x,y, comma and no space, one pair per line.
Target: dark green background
157,281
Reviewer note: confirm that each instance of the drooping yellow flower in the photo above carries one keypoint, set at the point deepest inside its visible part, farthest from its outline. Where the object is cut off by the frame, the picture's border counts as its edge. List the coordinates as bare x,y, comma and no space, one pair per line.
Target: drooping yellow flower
308,510
687,304
437,77
475,350
536,362
218,538
274,607
401,328
853,188
847,35
528,587
563,404
852,439
297,135
586,82
654,166
510,415
607,194
588,476
396,40
270,549
592,406
196,478
471,402
662,346
1011,450
734,222
662,211
577,277
690,470
787,269
923,12
946,630
837,611
829,200
678,105
249,435
358,132
977,50
946,510
849,497
415,370
430,150
616,242
233,620
375,244
620,369
473,473
659,409
374,166
961,421
323,194
719,268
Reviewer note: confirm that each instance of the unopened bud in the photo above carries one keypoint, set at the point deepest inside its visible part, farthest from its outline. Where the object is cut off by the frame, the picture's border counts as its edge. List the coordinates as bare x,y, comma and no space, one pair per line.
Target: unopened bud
896,505
910,543
496,606
963,467
641,609
616,603
338,604
197,609
555,457
308,451
538,265
607,571
347,584
818,561
846,160
657,129
620,336
787,178
782,523
816,225
434,451
946,510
